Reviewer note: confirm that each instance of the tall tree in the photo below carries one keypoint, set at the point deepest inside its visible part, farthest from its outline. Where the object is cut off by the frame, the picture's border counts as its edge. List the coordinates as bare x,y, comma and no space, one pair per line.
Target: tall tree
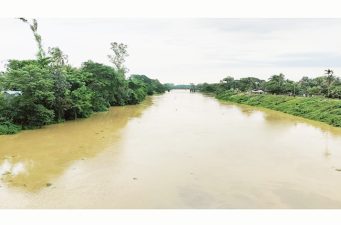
58,62
330,79
34,27
119,56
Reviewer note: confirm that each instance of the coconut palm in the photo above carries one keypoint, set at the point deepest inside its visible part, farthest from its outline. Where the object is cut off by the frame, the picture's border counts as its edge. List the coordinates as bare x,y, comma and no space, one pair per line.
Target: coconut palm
330,79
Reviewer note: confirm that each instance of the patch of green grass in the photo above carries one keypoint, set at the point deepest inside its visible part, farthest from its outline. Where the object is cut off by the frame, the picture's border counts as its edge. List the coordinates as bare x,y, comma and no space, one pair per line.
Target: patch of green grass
314,108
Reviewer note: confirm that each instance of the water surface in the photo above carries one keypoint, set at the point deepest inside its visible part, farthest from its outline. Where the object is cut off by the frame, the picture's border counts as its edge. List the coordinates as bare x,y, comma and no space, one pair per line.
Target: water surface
177,150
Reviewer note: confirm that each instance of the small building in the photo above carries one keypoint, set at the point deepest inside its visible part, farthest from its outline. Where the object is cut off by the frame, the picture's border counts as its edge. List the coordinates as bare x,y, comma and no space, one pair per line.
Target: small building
12,93
257,92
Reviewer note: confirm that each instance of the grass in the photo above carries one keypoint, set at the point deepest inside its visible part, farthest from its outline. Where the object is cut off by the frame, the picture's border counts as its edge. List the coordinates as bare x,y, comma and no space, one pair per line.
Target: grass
314,108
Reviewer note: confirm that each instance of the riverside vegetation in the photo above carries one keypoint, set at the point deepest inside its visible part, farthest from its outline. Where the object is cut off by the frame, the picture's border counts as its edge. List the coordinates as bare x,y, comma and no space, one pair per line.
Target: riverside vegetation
46,90
316,99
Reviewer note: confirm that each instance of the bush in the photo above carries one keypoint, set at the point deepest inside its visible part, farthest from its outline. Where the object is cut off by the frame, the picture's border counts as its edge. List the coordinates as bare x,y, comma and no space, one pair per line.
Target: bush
9,128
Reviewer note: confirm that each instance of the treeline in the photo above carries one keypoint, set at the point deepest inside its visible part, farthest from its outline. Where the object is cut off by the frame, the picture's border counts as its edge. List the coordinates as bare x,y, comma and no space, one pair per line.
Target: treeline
311,98
327,85
48,89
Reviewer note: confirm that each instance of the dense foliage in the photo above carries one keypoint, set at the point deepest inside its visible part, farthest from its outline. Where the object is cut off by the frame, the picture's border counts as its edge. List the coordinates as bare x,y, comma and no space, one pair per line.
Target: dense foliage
51,95
46,90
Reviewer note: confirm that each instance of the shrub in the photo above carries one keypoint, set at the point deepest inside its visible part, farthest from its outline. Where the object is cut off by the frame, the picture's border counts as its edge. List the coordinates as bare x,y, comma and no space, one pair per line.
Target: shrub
9,128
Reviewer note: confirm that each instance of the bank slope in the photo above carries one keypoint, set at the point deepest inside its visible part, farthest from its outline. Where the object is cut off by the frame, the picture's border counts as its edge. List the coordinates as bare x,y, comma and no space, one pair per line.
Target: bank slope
314,108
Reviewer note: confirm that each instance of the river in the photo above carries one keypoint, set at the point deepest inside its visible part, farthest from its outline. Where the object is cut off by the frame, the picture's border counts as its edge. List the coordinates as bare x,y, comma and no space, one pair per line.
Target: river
176,150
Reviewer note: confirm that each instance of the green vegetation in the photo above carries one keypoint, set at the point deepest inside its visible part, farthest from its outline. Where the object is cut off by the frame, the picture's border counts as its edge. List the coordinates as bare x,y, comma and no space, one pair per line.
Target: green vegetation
328,86
314,108
9,128
316,99
48,89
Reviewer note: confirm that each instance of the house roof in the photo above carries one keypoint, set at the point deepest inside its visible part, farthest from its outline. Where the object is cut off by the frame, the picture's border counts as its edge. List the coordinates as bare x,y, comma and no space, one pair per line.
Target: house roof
16,93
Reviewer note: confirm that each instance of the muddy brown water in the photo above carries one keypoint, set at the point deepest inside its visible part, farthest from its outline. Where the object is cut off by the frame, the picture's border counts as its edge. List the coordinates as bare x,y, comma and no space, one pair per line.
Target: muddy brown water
177,150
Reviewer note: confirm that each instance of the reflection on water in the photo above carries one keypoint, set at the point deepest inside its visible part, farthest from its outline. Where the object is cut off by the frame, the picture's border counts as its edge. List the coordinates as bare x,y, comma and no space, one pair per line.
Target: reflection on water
31,159
177,150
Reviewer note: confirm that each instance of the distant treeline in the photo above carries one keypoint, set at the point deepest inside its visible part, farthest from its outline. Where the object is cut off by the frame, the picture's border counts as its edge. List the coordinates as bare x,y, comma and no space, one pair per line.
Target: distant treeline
311,98
327,85
48,89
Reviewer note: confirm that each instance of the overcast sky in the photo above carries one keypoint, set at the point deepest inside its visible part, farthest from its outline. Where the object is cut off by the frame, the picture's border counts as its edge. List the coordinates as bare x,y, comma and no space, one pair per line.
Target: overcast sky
188,50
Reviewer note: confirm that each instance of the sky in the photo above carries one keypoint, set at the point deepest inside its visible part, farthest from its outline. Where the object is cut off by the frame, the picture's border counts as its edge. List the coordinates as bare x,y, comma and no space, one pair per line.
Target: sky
183,51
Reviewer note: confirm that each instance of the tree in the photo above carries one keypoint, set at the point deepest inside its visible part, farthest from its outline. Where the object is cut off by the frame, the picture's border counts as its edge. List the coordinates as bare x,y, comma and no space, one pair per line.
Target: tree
119,56
58,62
109,85
303,85
330,79
58,59
276,84
34,27
335,92
228,83
141,86
33,108
137,88
249,83
81,96
150,86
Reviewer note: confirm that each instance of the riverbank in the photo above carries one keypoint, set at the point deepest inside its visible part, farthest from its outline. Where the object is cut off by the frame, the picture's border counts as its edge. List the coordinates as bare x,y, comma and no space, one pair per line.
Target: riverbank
9,128
314,108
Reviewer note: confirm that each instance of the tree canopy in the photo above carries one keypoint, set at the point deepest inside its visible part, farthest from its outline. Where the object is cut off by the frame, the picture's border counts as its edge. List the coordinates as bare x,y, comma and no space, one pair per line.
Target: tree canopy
51,90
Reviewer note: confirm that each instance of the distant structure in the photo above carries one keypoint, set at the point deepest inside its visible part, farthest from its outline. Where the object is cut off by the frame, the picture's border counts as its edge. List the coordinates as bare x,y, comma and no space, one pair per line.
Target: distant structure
257,92
10,93
192,88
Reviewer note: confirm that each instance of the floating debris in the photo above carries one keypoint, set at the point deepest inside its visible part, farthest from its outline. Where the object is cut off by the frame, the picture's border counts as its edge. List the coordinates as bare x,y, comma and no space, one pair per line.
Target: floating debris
134,178
339,170
48,184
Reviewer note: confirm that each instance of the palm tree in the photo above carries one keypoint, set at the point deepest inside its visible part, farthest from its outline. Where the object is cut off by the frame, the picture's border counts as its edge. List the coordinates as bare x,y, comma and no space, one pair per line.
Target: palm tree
330,80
